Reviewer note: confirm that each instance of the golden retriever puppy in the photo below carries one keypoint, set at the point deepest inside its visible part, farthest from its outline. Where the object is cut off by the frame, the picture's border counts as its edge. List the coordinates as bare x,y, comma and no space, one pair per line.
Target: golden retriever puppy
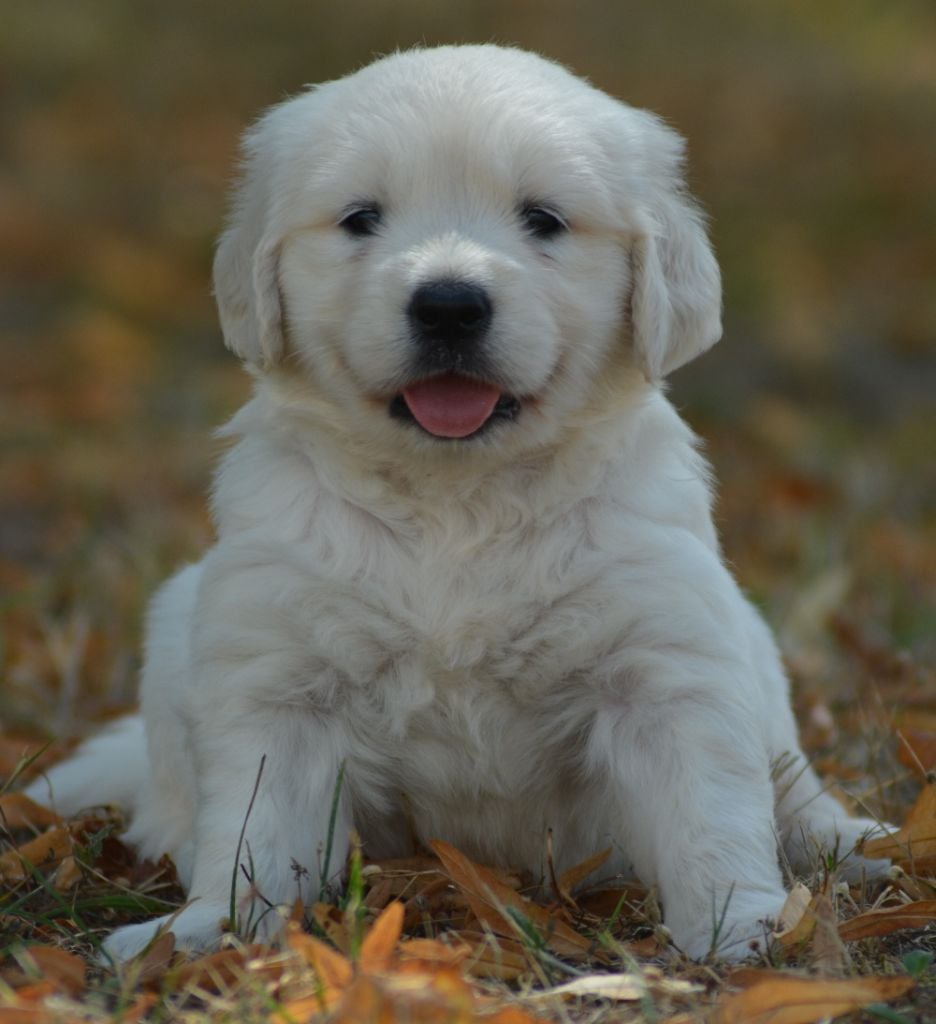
465,561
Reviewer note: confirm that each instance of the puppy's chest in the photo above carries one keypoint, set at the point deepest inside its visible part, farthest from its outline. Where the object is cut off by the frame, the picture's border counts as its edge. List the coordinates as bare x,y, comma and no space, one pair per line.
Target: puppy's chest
483,663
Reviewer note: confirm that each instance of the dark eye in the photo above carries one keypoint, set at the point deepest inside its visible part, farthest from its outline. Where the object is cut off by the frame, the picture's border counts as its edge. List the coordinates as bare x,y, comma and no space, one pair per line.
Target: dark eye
542,223
361,221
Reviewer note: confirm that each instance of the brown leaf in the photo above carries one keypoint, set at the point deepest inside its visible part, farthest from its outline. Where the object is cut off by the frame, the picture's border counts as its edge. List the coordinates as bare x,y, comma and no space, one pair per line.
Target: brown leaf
491,901
914,845
828,953
492,956
379,894
332,922
44,851
605,902
380,942
433,951
156,960
15,750
648,946
916,749
18,811
790,1000
219,971
574,876
888,919
65,971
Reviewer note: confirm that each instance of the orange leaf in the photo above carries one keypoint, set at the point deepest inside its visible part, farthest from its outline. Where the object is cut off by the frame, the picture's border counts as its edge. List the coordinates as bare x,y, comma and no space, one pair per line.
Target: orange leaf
887,920
491,901
332,922
915,843
442,997
433,951
333,971
18,811
511,1015
380,942
46,850
574,876
787,1000
25,1015
67,875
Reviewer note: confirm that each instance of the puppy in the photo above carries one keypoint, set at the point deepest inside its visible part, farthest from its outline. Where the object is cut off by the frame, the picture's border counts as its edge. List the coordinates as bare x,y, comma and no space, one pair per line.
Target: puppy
466,579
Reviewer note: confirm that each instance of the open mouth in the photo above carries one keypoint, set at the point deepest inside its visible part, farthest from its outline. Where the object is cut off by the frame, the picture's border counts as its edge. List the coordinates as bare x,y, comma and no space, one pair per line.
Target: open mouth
453,407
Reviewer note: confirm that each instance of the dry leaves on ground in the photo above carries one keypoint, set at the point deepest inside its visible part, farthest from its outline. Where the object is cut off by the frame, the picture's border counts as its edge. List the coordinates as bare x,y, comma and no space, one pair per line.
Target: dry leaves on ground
447,929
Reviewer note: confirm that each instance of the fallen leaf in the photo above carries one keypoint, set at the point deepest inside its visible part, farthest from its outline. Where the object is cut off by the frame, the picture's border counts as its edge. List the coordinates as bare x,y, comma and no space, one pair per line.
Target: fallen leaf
333,971
574,876
67,875
442,997
491,956
433,951
380,942
797,919
790,1000
628,987
18,811
604,903
916,750
15,751
491,901
914,845
648,946
221,971
509,1015
156,960
829,955
333,924
44,851
888,919
65,971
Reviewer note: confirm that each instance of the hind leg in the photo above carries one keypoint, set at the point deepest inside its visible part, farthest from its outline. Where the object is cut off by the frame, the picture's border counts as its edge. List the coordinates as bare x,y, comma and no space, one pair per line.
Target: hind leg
812,823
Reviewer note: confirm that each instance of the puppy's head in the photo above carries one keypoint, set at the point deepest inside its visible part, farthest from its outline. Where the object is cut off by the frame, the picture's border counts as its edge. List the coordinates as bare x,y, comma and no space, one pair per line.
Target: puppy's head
462,246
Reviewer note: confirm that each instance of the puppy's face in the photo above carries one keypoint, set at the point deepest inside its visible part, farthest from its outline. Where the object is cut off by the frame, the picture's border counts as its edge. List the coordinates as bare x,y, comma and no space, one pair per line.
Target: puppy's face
448,243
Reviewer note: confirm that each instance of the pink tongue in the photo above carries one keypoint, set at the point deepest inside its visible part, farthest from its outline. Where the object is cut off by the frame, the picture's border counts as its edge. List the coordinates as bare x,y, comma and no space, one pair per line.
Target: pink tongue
451,406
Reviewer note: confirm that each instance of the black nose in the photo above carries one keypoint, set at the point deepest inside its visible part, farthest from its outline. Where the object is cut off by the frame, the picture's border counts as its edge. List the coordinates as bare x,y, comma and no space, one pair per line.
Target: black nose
450,311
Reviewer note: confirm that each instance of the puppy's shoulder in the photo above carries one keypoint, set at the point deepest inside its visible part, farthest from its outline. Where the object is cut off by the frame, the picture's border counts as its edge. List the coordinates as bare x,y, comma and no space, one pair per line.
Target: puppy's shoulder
662,475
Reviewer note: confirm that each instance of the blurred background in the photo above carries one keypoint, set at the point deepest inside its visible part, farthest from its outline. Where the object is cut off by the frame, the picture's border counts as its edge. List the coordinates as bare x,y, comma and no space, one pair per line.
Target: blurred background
812,142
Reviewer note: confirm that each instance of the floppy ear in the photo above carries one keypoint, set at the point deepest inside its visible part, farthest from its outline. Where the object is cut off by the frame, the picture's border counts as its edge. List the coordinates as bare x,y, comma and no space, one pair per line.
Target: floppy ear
676,296
247,258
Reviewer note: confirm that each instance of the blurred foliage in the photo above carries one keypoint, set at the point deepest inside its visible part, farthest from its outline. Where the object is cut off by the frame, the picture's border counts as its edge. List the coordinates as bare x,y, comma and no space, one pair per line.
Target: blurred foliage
812,145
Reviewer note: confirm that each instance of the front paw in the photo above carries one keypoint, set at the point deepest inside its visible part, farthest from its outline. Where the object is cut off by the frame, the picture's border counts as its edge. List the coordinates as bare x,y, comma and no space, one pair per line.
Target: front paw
196,928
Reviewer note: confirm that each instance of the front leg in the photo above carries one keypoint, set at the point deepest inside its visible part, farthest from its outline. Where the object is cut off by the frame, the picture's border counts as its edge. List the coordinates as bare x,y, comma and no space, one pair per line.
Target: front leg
688,772
257,690
281,856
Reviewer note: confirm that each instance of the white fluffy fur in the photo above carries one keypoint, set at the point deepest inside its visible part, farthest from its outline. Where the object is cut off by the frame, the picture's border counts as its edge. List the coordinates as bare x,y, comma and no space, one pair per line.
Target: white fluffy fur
532,629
